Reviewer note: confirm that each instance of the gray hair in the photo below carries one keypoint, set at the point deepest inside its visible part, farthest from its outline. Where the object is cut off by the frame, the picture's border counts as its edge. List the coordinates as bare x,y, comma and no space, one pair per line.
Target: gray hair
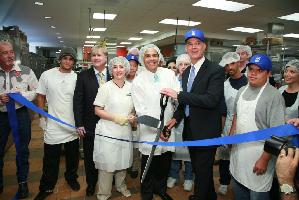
293,63
183,58
119,60
5,42
96,48
245,48
146,47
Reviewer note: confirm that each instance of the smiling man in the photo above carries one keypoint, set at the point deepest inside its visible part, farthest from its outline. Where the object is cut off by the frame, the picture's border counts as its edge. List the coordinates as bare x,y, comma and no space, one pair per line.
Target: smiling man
86,90
258,105
21,79
146,96
199,105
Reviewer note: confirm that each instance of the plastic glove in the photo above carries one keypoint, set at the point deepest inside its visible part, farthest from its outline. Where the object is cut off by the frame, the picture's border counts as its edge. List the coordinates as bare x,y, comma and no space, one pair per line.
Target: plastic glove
120,119
42,123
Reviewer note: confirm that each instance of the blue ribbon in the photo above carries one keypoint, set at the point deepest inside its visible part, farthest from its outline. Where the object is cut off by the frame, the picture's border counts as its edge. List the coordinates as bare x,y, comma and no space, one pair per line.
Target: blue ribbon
13,122
280,131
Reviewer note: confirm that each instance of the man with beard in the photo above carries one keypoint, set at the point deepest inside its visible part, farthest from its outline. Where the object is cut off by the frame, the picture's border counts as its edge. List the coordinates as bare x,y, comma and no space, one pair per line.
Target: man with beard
231,86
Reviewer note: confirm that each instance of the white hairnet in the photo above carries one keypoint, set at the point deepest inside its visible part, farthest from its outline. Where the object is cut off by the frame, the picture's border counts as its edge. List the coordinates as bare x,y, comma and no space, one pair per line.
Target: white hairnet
245,48
146,47
134,51
228,58
119,60
293,63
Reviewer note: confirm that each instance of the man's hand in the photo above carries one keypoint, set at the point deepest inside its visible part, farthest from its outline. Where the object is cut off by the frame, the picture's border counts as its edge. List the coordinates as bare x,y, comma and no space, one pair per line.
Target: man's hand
294,121
286,166
81,131
261,164
4,98
132,120
169,92
171,123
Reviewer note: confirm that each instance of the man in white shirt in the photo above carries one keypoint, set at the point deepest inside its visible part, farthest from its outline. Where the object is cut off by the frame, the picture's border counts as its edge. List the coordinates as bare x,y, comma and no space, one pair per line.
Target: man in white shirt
146,95
56,86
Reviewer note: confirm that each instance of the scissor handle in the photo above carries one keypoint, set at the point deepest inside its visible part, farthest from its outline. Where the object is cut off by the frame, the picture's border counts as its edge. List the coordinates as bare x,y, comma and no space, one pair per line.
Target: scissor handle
163,104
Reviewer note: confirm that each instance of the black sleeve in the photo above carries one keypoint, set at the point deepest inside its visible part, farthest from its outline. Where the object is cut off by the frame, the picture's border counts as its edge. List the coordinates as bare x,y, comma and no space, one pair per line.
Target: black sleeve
78,101
223,107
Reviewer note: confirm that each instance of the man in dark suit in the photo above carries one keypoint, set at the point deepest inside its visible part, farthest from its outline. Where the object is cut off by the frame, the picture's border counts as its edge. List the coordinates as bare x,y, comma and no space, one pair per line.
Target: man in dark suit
86,90
199,105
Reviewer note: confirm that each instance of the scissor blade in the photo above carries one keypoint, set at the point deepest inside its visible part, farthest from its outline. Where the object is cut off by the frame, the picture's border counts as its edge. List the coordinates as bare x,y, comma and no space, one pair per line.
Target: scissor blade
149,121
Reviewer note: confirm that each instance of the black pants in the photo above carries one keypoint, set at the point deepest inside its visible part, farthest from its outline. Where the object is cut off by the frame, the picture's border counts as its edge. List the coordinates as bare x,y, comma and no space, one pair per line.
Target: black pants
224,172
156,178
90,170
51,163
202,160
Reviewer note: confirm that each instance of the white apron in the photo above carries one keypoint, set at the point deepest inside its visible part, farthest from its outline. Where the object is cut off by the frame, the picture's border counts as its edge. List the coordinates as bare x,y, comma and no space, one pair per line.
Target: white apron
244,156
291,112
230,94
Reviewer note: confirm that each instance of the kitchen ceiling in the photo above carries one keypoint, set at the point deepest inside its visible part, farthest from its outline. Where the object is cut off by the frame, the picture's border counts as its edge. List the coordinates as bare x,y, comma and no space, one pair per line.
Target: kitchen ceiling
71,19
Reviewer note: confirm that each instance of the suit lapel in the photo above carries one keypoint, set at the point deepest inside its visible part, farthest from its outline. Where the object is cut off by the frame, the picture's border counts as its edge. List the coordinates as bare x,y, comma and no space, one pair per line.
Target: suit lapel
201,72
185,78
93,78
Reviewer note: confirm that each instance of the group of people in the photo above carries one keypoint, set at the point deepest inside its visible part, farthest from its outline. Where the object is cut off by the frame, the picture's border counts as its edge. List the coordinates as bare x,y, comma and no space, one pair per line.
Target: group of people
105,102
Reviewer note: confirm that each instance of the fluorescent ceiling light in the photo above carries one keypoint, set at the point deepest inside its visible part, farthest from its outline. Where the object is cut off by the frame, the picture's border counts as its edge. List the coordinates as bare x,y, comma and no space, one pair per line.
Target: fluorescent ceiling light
93,36
236,45
293,17
90,42
97,29
245,30
134,38
59,37
284,48
39,3
179,22
126,43
48,17
57,52
111,44
52,27
102,16
149,32
88,45
222,5
119,46
291,35
61,41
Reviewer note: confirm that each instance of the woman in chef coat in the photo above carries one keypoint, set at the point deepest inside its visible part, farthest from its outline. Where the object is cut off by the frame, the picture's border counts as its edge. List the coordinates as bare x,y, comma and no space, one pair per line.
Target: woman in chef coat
113,104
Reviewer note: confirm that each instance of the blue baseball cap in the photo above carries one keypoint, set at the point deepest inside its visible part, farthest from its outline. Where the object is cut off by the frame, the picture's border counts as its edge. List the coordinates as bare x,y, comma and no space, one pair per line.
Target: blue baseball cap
262,61
195,33
132,57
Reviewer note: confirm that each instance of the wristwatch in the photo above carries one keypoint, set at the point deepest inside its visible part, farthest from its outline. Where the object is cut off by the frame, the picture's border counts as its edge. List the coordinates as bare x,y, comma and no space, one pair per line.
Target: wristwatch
287,189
